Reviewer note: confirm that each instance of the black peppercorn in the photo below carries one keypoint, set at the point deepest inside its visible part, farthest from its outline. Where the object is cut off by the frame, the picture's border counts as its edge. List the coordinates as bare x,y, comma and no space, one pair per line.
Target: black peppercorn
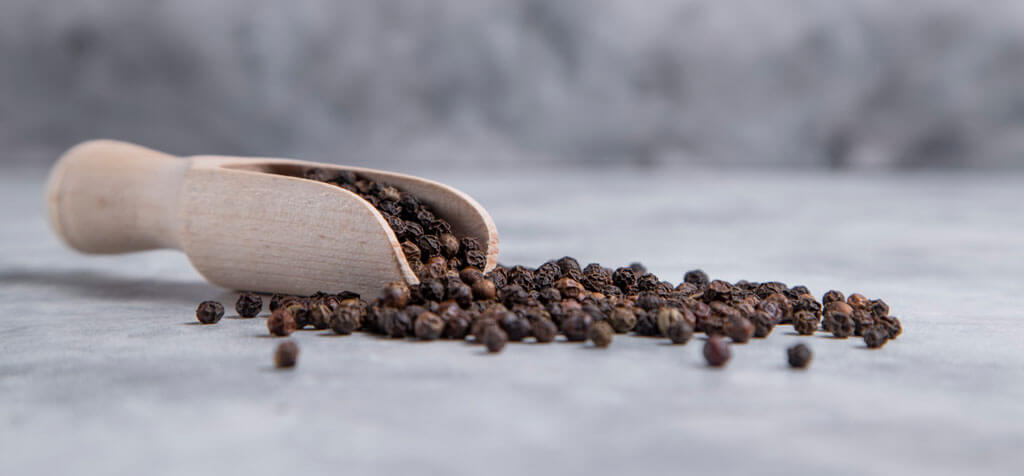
544,330
875,337
622,319
601,334
798,356
248,305
716,351
484,290
395,294
739,329
696,277
346,319
763,324
431,289
665,317
281,322
576,325
841,325
429,326
832,296
494,339
805,323
286,354
515,327
680,332
209,312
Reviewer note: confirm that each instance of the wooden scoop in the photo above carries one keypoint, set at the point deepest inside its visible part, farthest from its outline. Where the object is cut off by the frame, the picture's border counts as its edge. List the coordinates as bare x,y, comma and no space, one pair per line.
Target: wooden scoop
245,223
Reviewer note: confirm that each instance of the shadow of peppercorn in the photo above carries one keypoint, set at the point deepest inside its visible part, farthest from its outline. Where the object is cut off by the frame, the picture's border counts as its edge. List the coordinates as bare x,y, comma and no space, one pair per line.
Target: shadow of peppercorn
97,285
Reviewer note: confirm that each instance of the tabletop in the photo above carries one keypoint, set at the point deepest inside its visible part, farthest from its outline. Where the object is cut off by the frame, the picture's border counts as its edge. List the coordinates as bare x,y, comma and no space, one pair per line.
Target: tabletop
103,369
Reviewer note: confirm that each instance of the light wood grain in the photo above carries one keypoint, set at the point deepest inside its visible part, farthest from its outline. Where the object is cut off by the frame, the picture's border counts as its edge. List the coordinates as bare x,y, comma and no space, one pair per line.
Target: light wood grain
244,223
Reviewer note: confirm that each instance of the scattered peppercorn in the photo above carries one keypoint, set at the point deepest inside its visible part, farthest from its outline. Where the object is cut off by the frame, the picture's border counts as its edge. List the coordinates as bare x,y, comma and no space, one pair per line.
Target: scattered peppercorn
798,356
875,337
495,339
601,334
680,332
429,326
249,305
716,351
455,298
281,322
739,329
286,354
209,312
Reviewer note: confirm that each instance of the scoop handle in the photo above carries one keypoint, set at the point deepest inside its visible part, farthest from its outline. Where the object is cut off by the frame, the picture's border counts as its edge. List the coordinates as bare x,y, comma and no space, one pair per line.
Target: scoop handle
106,196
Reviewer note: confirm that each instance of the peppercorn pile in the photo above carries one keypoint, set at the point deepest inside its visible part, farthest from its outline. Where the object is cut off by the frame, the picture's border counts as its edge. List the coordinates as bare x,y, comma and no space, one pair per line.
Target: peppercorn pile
455,299
427,240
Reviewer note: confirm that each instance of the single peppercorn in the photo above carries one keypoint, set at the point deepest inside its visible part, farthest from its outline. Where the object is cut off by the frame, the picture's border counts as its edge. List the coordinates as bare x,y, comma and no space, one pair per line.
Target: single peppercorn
680,332
515,327
805,323
286,355
346,319
739,329
395,294
576,325
716,351
622,319
601,334
209,312
832,296
763,324
494,339
665,317
875,337
878,308
281,322
429,326
841,325
248,305
484,290
696,277
544,330
798,356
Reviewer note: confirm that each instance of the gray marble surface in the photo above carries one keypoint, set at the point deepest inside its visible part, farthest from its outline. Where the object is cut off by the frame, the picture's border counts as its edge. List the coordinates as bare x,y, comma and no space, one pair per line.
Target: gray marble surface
104,371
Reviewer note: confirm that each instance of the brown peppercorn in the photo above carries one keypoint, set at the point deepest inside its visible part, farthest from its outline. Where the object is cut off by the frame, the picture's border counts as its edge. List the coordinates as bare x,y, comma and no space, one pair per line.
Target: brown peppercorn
248,305
395,294
665,317
286,354
576,325
281,322
763,324
680,332
544,330
569,288
875,337
879,308
429,326
484,290
449,245
601,334
470,275
209,312
891,324
346,319
858,301
494,339
832,296
739,329
838,306
798,356
841,325
622,319
515,327
716,351
299,310
805,323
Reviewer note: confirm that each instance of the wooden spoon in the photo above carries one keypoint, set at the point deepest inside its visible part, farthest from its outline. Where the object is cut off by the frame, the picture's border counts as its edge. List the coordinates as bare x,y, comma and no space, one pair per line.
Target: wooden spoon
245,223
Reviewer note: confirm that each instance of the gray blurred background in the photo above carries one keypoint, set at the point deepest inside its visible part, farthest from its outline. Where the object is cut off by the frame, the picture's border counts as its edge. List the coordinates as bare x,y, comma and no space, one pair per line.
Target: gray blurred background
843,84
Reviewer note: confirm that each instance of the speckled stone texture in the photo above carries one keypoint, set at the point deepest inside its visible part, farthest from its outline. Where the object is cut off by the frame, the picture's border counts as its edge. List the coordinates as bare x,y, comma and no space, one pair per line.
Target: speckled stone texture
103,369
